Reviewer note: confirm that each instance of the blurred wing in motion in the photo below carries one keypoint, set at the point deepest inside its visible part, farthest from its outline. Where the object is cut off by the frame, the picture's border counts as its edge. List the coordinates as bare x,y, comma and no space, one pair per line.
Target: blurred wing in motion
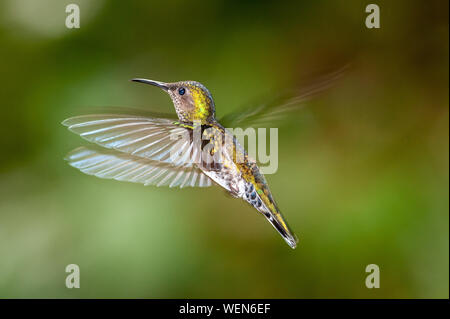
150,138
274,111
125,167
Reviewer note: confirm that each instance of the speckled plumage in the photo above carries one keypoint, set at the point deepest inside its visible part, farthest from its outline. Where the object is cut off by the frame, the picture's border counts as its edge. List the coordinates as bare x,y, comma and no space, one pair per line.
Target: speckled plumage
241,178
141,150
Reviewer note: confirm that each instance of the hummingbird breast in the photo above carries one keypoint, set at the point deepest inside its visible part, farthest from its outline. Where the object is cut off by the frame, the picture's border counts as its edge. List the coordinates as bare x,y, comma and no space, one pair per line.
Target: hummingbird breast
232,168
223,168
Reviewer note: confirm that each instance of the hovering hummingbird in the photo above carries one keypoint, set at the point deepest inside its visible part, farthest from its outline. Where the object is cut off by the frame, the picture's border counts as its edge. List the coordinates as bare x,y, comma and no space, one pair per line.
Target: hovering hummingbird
141,147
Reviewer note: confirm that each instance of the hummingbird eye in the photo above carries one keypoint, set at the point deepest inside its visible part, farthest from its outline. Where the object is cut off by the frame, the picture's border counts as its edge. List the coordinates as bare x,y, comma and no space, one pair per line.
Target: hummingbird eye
181,91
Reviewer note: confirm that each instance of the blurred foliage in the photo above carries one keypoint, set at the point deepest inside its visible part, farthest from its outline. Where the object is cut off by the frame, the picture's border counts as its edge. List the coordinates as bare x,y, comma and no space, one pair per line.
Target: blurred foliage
363,170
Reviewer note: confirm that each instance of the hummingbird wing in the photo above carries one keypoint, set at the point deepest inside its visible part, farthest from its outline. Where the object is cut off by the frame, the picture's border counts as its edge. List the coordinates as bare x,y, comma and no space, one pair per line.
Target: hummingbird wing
274,110
139,143
151,138
112,164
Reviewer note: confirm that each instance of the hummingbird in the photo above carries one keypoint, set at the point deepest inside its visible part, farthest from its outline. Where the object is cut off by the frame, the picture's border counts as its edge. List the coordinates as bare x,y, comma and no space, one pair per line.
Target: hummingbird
138,148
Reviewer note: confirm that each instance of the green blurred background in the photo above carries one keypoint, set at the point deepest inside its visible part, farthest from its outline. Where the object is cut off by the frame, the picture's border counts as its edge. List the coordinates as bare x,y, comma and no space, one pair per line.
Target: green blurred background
363,170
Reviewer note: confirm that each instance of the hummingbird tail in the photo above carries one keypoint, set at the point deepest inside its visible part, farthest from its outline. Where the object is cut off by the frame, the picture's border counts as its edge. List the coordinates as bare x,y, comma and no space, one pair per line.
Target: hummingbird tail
266,206
276,219
280,225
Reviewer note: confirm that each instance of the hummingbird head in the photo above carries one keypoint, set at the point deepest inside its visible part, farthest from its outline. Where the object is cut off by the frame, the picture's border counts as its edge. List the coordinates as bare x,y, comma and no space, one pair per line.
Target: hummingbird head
192,100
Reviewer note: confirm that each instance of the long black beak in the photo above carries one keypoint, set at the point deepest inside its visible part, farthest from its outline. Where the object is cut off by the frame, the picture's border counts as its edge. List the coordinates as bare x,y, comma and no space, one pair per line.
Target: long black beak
161,85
